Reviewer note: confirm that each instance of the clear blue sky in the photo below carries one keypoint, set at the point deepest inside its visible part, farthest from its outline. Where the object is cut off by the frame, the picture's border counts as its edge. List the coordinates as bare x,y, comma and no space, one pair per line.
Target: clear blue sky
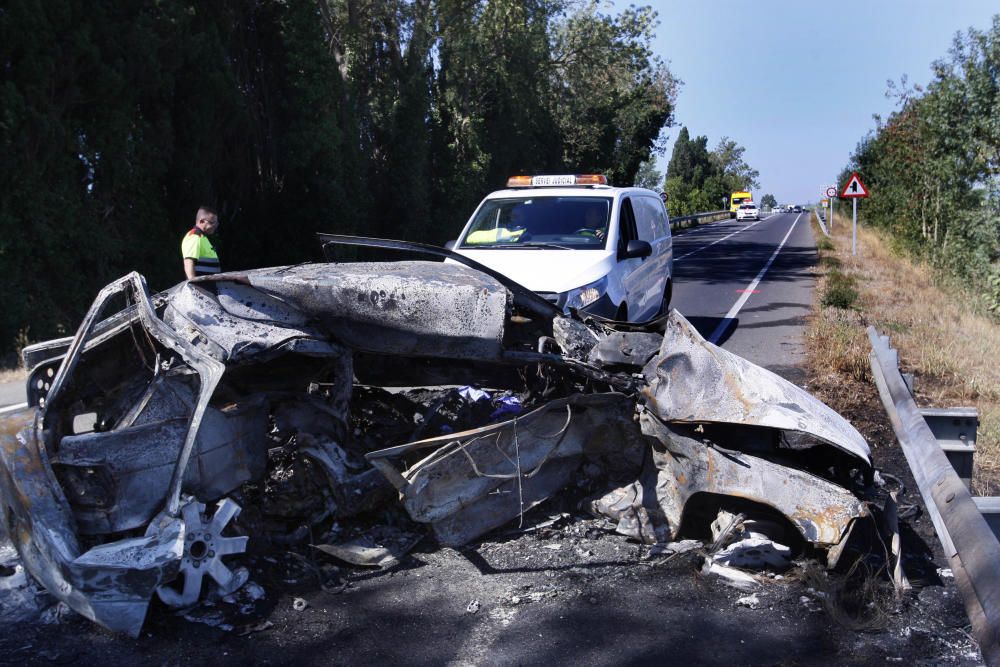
797,82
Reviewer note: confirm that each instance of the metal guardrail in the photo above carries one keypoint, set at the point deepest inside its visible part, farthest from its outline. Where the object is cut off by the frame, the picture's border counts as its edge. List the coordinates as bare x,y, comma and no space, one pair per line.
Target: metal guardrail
970,546
822,222
683,221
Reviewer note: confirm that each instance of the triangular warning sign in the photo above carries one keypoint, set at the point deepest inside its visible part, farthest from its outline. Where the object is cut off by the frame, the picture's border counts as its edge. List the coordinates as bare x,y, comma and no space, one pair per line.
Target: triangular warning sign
854,187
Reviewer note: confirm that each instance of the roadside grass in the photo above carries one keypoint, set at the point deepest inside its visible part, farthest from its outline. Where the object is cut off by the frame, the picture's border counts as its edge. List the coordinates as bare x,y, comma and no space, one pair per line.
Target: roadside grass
16,374
950,349
839,290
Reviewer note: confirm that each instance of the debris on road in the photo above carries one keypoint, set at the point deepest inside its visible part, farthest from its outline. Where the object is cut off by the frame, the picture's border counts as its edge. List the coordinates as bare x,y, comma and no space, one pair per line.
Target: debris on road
730,575
381,547
280,404
749,544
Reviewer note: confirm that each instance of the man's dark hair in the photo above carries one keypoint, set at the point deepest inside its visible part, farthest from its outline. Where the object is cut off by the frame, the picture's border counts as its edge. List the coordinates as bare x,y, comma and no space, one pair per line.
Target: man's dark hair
208,209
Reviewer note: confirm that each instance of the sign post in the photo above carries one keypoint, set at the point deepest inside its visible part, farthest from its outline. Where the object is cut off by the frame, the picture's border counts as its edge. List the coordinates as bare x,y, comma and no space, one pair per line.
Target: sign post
854,190
831,194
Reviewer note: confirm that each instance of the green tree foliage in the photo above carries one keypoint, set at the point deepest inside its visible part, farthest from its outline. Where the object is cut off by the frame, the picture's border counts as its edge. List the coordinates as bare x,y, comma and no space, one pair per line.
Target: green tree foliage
736,174
648,176
608,94
698,179
933,165
768,201
377,117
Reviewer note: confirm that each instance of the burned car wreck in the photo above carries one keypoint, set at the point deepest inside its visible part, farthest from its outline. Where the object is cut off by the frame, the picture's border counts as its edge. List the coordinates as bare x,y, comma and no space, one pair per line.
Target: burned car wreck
168,414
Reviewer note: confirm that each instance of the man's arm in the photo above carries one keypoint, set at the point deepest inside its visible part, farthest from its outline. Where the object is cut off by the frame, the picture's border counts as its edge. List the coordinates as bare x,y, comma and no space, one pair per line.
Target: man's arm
190,253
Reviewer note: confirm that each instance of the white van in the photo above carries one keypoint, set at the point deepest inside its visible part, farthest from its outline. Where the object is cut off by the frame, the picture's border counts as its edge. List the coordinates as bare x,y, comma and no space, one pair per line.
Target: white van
578,243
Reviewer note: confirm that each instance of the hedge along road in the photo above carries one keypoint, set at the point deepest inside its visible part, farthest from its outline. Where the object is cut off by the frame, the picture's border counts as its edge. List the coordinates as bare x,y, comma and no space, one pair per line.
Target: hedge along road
747,286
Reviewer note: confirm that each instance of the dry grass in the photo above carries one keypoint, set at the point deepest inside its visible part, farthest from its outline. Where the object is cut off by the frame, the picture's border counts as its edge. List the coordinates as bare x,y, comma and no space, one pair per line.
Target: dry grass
950,349
17,374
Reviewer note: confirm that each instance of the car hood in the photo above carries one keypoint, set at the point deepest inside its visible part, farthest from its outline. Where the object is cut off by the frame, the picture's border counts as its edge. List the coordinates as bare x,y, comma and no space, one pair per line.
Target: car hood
546,270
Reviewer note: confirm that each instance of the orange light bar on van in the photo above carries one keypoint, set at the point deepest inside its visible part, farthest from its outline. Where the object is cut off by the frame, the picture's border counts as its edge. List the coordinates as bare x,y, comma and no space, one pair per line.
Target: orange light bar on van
519,181
556,180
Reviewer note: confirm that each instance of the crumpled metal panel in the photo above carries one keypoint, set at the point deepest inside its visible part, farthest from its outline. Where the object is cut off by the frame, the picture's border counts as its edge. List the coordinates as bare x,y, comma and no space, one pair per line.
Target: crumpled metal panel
426,309
477,480
240,323
620,348
692,380
111,584
471,483
820,510
575,338
230,448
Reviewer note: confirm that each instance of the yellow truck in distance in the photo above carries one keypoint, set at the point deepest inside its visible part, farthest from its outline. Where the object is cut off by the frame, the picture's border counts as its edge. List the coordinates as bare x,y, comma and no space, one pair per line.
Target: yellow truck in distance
736,199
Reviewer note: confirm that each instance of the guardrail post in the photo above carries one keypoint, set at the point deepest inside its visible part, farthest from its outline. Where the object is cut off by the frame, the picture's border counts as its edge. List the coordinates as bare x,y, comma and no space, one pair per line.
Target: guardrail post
968,542
955,431
989,507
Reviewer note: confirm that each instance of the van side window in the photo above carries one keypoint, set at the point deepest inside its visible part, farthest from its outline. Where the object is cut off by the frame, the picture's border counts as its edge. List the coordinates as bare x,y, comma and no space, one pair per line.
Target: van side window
661,223
626,225
645,220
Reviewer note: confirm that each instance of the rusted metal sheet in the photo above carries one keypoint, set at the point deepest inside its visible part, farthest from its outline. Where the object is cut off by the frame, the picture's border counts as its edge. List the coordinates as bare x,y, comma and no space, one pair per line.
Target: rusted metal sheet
820,510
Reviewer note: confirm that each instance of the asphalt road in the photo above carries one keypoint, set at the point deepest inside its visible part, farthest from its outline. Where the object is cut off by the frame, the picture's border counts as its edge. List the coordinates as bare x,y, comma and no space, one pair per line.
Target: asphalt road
747,286
11,394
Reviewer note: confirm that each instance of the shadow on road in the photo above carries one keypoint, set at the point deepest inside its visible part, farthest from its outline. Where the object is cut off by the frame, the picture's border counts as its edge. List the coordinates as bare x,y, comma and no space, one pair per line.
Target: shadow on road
706,326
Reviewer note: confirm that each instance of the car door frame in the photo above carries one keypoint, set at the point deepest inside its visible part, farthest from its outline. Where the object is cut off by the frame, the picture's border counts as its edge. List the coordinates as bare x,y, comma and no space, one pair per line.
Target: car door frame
638,274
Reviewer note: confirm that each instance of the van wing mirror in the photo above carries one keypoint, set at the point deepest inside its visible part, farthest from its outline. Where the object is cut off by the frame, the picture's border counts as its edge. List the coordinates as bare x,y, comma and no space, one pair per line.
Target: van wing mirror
637,248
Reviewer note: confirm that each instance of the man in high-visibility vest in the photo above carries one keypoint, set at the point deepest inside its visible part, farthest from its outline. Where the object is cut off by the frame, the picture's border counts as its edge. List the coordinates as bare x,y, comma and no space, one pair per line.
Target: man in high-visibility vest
593,223
199,254
497,235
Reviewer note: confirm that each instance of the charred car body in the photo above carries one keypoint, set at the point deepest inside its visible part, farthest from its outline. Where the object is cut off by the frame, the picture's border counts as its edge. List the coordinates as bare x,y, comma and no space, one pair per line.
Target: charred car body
166,413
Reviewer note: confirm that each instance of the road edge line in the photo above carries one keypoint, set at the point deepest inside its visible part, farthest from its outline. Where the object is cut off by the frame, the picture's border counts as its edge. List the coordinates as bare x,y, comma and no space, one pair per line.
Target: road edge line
731,315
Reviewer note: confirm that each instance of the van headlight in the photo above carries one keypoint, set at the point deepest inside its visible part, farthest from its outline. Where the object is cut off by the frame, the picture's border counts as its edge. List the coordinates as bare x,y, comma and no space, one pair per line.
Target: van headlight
581,297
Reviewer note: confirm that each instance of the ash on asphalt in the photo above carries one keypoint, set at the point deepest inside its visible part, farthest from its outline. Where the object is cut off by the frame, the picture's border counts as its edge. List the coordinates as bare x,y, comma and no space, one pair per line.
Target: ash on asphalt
569,591
564,587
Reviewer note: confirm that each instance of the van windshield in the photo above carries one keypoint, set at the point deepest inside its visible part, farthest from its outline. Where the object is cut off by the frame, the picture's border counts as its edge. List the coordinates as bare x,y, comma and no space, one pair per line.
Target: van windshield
552,222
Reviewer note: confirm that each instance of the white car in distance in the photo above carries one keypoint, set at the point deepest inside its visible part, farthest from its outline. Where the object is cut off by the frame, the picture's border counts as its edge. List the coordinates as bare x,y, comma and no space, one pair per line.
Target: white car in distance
747,212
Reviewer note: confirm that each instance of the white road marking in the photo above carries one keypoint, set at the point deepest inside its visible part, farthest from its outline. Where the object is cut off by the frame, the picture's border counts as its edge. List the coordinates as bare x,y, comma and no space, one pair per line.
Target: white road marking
13,408
741,229
731,315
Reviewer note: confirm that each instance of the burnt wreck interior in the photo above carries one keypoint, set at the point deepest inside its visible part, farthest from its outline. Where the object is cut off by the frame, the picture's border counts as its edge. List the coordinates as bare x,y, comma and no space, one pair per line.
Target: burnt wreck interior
386,403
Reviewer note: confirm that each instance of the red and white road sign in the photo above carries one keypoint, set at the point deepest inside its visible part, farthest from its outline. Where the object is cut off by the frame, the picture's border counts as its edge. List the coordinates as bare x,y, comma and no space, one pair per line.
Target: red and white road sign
831,191
854,188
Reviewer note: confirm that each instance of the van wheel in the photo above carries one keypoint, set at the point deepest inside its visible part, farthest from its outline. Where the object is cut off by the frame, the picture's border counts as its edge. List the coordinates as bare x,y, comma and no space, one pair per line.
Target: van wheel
621,315
668,294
